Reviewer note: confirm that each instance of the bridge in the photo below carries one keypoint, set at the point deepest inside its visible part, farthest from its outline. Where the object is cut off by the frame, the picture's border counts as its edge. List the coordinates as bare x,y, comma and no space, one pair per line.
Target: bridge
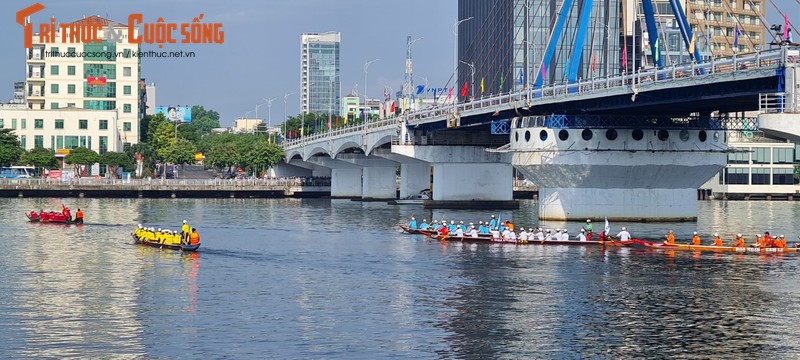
638,144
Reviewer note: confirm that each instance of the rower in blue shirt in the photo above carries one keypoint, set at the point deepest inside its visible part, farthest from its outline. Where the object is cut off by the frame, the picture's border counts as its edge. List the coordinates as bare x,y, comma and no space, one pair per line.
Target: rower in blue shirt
423,225
412,224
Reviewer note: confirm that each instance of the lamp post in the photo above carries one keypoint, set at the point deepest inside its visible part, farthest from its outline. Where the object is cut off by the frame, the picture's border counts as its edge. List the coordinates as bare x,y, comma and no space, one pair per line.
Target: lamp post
410,68
269,114
472,78
455,57
366,68
285,119
257,106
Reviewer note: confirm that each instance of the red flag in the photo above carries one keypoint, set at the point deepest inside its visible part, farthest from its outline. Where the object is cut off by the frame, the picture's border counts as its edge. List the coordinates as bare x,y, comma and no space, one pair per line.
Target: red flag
464,90
625,57
392,110
95,80
594,62
337,121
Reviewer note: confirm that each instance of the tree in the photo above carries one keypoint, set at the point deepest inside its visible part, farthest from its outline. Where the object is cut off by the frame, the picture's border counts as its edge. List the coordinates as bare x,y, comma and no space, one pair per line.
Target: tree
262,155
191,132
222,155
81,156
40,157
180,151
115,160
204,120
10,149
162,138
148,155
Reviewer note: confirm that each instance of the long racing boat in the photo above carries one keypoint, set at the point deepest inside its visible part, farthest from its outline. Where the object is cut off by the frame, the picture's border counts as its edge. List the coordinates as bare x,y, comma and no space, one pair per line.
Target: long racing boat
687,247
184,247
484,239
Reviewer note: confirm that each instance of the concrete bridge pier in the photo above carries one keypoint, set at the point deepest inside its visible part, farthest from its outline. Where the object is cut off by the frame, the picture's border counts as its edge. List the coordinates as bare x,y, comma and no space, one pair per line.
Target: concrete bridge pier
345,176
415,175
379,176
299,168
466,174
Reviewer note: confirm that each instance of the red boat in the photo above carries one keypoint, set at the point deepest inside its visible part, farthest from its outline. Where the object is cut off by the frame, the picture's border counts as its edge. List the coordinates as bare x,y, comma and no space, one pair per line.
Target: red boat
51,217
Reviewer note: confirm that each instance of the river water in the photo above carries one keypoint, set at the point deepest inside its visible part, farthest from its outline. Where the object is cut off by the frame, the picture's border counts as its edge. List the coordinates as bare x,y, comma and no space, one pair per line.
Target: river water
315,278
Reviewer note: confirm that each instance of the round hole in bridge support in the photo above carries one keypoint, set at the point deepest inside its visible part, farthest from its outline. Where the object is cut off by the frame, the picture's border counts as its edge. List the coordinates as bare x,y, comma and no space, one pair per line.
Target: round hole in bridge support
702,136
543,135
637,134
684,135
516,136
663,135
527,136
611,134
563,135
716,136
587,134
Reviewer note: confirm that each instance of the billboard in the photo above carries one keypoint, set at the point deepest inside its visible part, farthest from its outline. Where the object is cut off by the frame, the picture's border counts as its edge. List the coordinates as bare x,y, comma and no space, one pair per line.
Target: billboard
176,113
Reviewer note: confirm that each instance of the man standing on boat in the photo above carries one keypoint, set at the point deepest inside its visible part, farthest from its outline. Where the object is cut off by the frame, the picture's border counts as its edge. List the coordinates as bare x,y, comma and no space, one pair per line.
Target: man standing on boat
65,211
624,235
588,230
582,236
185,233
493,223
194,238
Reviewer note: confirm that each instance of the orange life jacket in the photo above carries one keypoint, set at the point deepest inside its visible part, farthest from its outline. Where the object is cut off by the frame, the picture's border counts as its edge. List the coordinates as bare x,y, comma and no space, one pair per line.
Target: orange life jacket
696,240
671,239
718,241
194,238
739,242
79,214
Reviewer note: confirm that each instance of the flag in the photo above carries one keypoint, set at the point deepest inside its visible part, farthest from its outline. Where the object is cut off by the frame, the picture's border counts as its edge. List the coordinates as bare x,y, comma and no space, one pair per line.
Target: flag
450,93
95,80
337,121
736,34
502,81
691,43
464,90
785,26
544,70
329,121
521,78
393,108
606,228
657,52
625,56
594,62
482,85
345,118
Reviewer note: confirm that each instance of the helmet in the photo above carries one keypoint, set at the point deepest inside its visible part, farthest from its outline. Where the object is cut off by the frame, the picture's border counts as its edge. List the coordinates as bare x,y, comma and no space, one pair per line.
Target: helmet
140,226
715,234
588,220
184,221
558,229
159,229
624,228
694,233
452,222
565,231
492,216
412,218
423,220
480,222
781,235
530,229
739,235
583,230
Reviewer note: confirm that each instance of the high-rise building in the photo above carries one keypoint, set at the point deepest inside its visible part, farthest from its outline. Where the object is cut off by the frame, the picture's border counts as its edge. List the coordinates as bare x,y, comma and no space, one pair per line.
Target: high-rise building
715,22
505,42
89,76
319,73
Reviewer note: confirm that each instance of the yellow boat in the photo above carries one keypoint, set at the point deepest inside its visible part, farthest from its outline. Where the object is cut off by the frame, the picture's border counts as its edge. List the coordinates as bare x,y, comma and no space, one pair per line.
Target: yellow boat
734,249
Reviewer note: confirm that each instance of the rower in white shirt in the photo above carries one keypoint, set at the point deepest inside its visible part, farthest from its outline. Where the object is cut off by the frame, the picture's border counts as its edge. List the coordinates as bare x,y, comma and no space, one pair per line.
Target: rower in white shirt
548,236
523,236
473,233
565,236
495,235
539,234
506,235
582,235
624,235
459,232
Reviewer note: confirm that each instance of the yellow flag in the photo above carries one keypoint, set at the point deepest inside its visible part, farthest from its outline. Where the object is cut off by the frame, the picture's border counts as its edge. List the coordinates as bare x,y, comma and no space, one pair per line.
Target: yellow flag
482,85
691,46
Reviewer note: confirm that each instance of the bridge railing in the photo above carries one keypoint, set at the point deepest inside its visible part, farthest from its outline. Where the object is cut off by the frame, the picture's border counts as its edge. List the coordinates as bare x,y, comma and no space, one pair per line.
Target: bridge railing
341,132
778,103
139,183
770,58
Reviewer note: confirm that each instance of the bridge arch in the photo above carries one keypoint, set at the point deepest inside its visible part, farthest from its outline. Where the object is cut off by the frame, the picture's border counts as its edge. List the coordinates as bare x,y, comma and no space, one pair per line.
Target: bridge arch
380,142
346,145
294,155
314,151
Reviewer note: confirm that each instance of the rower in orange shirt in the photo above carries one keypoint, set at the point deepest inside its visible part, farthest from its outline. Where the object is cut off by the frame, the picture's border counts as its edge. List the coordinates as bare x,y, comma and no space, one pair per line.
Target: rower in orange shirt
768,240
739,241
717,240
696,239
760,242
779,242
670,238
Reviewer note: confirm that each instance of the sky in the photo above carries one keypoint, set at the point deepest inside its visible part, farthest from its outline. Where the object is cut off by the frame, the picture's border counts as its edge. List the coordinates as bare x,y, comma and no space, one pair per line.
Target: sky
260,56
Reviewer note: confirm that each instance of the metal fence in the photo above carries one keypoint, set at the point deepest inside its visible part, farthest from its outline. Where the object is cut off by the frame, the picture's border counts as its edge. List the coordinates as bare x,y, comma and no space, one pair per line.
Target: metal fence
279,183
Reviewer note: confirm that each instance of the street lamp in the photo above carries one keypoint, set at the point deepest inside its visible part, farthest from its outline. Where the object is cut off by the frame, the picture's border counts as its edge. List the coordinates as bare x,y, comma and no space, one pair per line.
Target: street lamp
410,68
257,106
269,114
455,57
472,78
285,119
366,67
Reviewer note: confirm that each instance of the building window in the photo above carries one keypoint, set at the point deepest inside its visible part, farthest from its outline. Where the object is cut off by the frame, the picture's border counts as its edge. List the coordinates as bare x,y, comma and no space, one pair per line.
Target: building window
126,90
53,51
38,141
70,88
23,123
70,105
782,176
760,177
761,155
71,52
737,176
83,124
739,158
70,142
103,124
53,105
54,88
23,141
126,71
126,126
59,123
53,69
103,144
14,124
1,124
126,53
38,123
71,70
126,108
782,156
